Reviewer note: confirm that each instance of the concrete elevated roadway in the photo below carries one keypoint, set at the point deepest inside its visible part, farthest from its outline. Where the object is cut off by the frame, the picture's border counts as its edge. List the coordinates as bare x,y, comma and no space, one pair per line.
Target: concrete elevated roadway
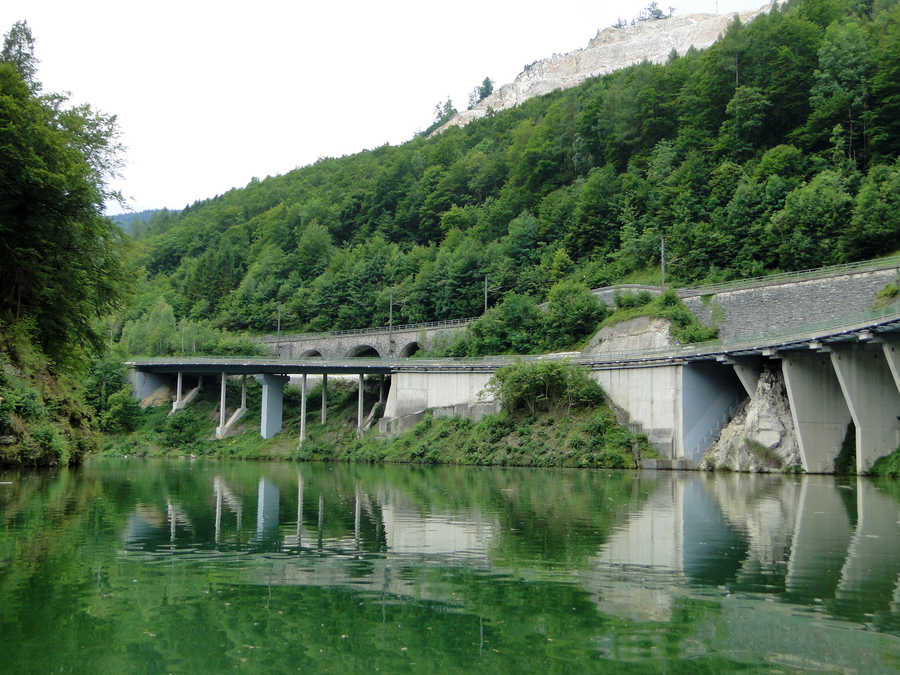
681,397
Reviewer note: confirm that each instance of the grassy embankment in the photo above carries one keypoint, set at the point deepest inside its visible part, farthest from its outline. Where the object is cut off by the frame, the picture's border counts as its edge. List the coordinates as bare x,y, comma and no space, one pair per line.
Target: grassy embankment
569,426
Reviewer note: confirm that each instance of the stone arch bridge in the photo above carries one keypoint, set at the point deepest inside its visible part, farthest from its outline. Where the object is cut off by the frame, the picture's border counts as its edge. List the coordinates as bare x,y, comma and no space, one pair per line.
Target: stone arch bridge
383,342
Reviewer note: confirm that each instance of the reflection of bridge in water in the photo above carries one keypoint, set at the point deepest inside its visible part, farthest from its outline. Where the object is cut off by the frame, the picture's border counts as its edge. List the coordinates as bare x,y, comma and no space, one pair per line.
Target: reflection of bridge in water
804,541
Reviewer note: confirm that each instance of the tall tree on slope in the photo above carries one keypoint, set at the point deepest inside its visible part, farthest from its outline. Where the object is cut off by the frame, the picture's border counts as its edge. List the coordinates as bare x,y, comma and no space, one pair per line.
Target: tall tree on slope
61,264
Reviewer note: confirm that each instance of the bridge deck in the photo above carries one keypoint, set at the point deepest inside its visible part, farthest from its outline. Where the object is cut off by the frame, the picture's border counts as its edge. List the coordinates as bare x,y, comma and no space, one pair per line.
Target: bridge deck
869,325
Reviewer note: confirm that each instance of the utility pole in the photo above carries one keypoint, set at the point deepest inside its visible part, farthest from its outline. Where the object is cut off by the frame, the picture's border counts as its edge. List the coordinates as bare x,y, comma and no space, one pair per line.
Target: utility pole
391,323
662,258
485,293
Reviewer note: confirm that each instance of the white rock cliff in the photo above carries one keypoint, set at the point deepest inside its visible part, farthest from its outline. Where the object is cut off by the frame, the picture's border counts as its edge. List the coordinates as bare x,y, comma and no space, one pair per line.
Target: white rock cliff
611,49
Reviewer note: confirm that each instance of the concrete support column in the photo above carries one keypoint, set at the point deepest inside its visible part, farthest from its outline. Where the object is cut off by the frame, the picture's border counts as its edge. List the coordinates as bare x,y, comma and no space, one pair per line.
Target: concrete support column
243,391
872,396
748,371
381,389
272,400
891,349
177,392
221,427
359,407
303,408
324,396
817,407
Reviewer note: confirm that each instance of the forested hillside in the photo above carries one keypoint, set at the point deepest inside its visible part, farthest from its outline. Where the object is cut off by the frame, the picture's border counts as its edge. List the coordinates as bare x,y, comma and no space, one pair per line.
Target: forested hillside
775,149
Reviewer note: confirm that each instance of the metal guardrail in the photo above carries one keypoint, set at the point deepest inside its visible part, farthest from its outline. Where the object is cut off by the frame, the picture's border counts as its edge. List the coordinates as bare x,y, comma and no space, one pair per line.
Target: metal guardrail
892,262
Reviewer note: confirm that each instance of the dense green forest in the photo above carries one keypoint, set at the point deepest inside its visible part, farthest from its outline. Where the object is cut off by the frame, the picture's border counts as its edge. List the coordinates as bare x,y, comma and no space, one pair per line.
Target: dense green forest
774,149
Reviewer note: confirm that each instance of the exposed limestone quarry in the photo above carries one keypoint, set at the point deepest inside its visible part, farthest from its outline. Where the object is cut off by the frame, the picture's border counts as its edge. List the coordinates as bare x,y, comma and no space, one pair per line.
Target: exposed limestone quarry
640,333
761,435
611,49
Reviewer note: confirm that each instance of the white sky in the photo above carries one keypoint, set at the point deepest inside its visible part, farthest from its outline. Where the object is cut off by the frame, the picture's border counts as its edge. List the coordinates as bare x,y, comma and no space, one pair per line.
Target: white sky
211,94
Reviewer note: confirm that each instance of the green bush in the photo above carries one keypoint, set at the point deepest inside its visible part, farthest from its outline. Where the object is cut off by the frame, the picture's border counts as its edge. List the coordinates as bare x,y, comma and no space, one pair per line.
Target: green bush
534,386
184,427
886,295
572,314
888,465
123,413
45,445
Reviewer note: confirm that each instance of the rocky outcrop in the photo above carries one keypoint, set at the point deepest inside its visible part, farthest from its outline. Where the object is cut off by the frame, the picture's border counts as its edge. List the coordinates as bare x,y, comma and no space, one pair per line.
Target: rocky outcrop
761,435
640,333
611,49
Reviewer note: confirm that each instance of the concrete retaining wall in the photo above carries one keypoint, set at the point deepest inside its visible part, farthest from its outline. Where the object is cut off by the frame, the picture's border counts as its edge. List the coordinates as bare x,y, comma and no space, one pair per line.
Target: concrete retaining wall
413,392
652,398
751,312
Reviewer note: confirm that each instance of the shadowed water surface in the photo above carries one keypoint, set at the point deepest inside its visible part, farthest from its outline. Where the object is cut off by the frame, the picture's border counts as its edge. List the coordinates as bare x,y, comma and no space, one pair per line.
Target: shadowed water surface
198,566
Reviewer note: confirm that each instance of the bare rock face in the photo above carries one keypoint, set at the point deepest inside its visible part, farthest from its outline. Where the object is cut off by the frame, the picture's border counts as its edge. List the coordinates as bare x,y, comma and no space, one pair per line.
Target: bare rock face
761,435
611,49
160,396
639,333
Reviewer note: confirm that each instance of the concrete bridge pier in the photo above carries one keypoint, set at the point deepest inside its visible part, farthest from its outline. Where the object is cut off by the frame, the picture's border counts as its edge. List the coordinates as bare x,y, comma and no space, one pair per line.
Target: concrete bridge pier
302,410
748,370
182,400
324,397
272,402
359,406
873,398
891,349
224,426
818,407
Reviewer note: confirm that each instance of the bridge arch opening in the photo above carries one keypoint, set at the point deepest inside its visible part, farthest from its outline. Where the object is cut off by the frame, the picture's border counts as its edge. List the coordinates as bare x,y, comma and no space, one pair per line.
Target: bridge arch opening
311,353
364,352
410,349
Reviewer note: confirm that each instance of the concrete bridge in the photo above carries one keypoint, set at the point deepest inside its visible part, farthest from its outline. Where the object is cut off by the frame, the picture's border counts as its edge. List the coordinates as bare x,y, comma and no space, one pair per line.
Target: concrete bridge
834,372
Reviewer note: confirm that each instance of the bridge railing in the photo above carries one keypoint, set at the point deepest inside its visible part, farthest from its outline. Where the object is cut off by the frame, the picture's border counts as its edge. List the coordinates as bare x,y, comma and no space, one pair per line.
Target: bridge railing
892,262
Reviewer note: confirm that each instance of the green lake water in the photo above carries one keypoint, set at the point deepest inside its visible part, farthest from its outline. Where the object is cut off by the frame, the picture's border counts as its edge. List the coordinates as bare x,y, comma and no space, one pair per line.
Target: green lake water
194,566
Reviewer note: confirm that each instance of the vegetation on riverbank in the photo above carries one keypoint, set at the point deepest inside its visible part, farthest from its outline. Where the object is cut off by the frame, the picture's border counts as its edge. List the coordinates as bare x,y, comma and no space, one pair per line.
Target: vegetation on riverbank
44,418
888,466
